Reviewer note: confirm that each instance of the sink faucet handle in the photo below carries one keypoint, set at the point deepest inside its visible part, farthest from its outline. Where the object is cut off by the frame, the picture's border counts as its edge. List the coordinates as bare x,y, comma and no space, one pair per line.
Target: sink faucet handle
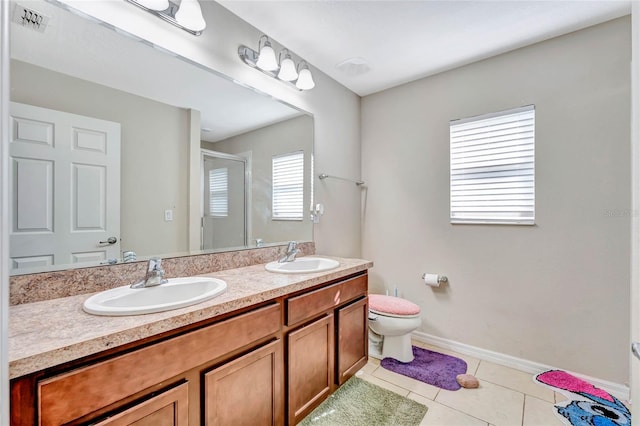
154,264
154,275
292,250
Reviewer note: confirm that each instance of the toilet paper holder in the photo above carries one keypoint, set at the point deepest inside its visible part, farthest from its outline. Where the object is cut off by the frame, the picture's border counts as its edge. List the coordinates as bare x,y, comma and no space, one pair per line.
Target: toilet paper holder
441,278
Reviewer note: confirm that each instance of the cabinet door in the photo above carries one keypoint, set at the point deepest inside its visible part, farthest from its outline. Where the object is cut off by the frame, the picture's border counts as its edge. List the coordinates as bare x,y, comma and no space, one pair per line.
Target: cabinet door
170,408
248,390
311,366
353,344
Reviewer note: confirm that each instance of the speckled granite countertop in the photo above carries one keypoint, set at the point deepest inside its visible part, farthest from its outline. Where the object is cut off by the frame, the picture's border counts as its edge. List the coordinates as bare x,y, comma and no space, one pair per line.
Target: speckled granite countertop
48,333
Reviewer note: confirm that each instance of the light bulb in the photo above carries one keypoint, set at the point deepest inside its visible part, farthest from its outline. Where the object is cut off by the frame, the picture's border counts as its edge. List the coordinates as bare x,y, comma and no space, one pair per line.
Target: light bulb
287,69
155,4
189,15
267,58
305,79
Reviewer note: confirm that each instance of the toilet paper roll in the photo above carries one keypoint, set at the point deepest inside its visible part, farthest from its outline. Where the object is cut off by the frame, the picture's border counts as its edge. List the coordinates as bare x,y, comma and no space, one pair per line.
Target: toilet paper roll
432,280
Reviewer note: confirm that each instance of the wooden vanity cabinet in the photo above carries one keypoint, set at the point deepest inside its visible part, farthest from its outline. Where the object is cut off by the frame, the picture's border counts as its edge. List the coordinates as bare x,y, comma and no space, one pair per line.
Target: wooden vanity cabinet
121,387
270,365
326,342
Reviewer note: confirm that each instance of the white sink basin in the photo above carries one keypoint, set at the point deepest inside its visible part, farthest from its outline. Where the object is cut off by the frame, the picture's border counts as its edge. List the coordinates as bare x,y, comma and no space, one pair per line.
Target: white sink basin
177,293
303,265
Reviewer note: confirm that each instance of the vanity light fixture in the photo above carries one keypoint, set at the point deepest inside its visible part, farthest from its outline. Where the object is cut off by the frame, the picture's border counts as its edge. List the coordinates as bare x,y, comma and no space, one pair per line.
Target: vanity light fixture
281,67
305,79
266,55
288,70
185,14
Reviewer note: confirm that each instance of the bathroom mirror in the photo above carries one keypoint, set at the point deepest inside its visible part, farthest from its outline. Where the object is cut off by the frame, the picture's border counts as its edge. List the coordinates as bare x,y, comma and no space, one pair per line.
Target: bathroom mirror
85,74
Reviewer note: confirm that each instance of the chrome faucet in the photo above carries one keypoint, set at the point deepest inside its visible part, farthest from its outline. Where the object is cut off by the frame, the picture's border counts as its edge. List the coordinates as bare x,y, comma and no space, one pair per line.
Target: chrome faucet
292,250
154,275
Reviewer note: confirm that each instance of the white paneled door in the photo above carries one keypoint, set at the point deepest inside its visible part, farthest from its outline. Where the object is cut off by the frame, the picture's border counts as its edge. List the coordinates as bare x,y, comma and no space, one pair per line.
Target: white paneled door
65,188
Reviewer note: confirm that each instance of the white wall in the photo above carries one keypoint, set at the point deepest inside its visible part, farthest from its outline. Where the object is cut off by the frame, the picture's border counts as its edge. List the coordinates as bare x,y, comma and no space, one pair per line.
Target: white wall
335,108
280,138
554,293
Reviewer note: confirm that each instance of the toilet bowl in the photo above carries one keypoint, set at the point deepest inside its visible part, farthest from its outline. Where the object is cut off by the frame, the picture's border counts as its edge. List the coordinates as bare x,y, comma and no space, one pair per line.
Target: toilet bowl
391,321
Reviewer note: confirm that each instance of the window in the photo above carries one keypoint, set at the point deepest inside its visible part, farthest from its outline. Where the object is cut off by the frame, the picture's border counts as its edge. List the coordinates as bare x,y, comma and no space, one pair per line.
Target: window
288,186
492,168
219,192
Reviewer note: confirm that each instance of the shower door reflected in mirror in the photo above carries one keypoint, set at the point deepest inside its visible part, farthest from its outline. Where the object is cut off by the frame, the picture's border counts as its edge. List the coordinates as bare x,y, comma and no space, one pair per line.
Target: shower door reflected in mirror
224,200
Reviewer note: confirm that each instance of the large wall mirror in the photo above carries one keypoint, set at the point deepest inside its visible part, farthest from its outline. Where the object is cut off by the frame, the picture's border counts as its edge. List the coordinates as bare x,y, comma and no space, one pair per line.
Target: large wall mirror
102,134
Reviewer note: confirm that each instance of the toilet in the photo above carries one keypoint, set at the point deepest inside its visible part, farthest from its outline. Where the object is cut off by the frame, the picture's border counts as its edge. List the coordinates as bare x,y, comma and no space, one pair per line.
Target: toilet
391,321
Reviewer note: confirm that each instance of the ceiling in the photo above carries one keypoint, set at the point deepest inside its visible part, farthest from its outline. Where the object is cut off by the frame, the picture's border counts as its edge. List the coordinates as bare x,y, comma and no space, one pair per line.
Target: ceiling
401,41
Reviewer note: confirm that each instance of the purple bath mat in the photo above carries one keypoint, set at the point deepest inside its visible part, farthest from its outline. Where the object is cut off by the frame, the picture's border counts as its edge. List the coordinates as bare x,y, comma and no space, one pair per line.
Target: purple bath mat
430,367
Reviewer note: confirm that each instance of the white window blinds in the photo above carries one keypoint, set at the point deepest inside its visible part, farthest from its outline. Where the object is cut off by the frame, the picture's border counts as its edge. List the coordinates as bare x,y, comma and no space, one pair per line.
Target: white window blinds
492,168
219,192
288,186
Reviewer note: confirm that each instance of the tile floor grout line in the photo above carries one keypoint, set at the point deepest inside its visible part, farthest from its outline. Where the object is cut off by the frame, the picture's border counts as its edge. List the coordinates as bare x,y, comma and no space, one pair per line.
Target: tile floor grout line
515,390
458,410
399,386
495,384
463,412
477,369
452,409
438,389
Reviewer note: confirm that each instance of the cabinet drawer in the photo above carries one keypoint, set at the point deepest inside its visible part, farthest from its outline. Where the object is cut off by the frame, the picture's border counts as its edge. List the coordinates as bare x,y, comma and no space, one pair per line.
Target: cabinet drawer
315,302
80,392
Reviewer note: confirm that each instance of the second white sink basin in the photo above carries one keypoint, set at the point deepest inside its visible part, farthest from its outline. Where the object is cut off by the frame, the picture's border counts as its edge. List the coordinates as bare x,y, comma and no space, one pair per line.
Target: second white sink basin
303,265
177,293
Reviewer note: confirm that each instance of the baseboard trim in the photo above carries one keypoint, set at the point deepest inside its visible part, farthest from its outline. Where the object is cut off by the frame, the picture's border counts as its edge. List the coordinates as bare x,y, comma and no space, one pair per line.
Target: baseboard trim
618,390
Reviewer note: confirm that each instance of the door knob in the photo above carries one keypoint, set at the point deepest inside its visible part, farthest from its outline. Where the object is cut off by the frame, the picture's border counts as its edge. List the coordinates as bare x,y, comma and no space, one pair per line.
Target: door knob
110,240
635,348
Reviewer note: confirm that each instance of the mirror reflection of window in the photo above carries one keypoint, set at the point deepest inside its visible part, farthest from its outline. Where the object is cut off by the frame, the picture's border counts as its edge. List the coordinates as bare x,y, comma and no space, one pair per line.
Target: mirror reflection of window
219,192
288,186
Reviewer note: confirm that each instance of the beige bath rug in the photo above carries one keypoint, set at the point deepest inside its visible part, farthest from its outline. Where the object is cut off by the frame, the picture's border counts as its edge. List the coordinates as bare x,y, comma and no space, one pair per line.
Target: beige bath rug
360,403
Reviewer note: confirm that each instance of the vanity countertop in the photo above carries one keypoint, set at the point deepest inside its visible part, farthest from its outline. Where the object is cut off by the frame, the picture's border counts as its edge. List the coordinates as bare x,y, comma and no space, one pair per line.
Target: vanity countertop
52,332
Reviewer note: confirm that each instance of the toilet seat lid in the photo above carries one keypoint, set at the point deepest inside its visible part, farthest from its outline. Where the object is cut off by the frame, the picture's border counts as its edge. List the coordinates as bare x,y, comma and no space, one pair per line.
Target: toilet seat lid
389,305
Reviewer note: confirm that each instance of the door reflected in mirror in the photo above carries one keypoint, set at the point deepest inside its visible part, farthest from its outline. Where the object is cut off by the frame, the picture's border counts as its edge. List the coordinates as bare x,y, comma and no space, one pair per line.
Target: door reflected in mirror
155,98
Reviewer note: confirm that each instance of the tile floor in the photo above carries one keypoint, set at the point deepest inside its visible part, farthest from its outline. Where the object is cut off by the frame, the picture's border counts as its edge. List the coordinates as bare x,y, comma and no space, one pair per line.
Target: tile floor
505,397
